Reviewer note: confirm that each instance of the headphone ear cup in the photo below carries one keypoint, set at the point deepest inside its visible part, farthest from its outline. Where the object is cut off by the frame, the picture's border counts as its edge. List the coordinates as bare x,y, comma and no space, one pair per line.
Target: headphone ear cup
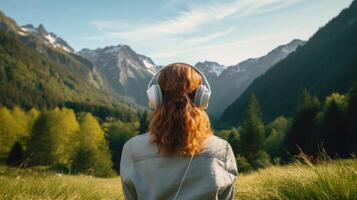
154,96
202,96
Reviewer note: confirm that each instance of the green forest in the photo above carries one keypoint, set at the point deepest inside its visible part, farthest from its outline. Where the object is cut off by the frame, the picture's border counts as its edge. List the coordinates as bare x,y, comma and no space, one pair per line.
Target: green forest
64,141
79,142
316,129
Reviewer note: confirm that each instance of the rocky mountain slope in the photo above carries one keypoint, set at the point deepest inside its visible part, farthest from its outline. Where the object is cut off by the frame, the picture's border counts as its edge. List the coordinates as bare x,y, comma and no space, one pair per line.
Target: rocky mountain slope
125,70
228,83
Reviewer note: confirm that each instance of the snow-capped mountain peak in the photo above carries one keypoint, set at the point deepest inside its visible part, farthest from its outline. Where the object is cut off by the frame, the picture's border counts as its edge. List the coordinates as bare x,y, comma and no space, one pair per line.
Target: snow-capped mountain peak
126,71
48,37
209,67
122,53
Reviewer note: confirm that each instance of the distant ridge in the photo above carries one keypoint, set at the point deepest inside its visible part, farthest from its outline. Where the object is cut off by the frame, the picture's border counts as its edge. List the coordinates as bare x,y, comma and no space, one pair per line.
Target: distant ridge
228,83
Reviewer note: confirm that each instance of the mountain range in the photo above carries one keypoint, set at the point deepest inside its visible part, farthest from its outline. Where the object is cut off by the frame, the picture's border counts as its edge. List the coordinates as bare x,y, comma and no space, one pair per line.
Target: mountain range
129,72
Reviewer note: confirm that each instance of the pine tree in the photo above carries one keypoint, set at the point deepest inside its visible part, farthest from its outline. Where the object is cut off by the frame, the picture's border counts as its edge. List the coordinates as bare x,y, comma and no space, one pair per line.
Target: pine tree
252,135
332,132
303,124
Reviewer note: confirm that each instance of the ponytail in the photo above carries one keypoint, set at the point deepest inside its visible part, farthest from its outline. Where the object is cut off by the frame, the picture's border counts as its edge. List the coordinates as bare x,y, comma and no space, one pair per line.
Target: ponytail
183,129
177,125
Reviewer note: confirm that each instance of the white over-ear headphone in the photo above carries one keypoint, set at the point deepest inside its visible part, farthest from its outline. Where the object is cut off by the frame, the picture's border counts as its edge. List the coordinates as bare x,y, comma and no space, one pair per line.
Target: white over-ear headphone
201,97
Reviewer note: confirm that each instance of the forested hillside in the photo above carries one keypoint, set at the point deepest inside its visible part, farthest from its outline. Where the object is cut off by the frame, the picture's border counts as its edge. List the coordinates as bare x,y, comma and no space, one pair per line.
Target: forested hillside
35,74
326,63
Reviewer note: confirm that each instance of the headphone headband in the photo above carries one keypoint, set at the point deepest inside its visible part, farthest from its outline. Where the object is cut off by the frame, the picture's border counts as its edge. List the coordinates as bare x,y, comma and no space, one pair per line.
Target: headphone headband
205,81
201,97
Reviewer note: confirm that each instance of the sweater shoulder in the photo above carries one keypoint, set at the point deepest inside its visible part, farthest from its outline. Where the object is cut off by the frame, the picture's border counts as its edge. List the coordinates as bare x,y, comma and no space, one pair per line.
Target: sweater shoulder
141,147
216,147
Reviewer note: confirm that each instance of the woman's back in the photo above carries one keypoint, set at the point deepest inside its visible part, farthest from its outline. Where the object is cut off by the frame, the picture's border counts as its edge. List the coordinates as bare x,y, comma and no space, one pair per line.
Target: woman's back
154,165
147,174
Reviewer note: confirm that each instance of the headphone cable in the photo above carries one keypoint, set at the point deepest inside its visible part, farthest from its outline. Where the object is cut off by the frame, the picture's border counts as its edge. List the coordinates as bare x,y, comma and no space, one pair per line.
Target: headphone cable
183,178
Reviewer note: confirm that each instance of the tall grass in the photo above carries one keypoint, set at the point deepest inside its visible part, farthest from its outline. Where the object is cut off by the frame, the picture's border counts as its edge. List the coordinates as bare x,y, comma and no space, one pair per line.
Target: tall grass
328,180
35,185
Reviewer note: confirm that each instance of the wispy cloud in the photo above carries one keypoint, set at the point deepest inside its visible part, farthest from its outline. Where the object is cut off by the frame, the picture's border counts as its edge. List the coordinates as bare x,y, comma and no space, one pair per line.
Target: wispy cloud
194,29
223,46
185,21
192,43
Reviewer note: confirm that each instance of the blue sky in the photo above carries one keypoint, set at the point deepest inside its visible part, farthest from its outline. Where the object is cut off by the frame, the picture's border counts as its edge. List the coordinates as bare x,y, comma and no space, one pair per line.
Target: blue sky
226,31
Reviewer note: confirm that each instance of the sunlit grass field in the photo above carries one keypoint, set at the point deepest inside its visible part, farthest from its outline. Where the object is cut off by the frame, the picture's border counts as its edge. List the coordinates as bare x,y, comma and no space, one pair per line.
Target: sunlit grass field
34,185
328,180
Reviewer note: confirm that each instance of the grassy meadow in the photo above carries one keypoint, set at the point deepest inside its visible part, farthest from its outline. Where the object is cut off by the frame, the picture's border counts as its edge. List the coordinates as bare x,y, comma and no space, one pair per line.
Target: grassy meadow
35,184
328,180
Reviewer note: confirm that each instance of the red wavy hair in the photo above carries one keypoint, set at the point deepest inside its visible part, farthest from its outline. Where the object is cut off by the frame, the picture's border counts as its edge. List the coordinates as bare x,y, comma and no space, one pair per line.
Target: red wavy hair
178,125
